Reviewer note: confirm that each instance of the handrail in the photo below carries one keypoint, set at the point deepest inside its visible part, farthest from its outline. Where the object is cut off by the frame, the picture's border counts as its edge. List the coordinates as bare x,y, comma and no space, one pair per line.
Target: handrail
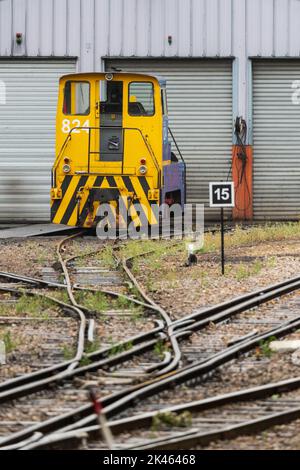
63,147
69,136
176,145
150,150
182,159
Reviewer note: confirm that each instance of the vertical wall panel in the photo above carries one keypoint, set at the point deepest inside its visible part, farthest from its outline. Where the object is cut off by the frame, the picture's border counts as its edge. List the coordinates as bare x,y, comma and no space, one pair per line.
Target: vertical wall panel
73,27
199,27
87,35
213,30
281,27
157,25
129,32
239,51
116,27
101,32
225,27
47,19
60,28
33,27
19,25
172,27
267,27
142,36
254,24
184,28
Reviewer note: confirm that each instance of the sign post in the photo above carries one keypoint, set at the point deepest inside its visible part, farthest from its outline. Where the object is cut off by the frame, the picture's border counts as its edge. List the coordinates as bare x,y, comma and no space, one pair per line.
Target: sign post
221,195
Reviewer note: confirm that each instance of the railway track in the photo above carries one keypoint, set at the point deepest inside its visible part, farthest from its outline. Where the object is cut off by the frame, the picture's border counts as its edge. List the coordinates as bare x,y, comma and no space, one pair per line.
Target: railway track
193,424
119,401
120,354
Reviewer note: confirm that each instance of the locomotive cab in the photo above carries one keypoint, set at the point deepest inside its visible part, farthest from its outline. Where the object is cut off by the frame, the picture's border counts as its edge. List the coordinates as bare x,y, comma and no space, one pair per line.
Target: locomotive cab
112,147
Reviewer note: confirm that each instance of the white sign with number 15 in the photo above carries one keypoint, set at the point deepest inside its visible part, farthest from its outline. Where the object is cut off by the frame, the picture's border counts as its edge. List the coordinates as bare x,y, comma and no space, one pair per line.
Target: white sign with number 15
221,194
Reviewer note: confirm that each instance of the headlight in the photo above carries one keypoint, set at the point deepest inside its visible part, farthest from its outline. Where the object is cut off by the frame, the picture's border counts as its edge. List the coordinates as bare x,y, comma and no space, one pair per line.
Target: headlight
66,168
143,169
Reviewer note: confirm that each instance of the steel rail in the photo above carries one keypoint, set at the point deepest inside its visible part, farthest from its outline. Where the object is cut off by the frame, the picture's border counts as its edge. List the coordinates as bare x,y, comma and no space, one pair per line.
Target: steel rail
246,301
41,282
231,432
169,324
35,282
118,426
235,302
29,383
178,323
40,378
82,327
246,428
201,368
31,280
194,371
40,375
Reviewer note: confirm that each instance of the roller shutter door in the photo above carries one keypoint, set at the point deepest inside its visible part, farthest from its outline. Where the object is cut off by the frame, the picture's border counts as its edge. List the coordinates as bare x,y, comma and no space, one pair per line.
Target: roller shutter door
27,137
276,143
200,111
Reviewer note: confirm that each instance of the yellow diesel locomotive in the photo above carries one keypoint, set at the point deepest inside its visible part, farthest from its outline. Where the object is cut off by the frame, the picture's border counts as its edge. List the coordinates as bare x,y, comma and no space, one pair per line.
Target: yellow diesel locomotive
112,146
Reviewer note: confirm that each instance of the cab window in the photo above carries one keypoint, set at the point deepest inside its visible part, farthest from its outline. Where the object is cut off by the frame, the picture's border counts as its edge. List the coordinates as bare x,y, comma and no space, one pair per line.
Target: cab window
77,98
164,103
141,99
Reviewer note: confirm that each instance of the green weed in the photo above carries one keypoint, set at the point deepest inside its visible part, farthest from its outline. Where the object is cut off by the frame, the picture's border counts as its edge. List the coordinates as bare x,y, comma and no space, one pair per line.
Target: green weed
93,301
35,306
106,257
120,348
61,295
122,303
85,361
264,347
272,262
170,420
257,267
160,349
242,272
92,347
10,345
68,352
262,233
6,309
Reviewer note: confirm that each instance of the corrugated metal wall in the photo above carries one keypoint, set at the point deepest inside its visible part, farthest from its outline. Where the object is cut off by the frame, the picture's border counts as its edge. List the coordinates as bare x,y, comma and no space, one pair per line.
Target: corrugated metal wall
276,140
200,110
94,28
27,134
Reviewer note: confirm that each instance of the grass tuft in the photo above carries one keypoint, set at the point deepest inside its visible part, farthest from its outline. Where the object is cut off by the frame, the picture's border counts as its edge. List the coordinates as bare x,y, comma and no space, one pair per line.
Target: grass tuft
10,345
35,306
93,301
170,420
264,348
263,233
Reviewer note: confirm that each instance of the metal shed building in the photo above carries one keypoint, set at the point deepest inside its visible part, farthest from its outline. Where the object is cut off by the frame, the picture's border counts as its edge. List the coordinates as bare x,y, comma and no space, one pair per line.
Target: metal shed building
222,59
